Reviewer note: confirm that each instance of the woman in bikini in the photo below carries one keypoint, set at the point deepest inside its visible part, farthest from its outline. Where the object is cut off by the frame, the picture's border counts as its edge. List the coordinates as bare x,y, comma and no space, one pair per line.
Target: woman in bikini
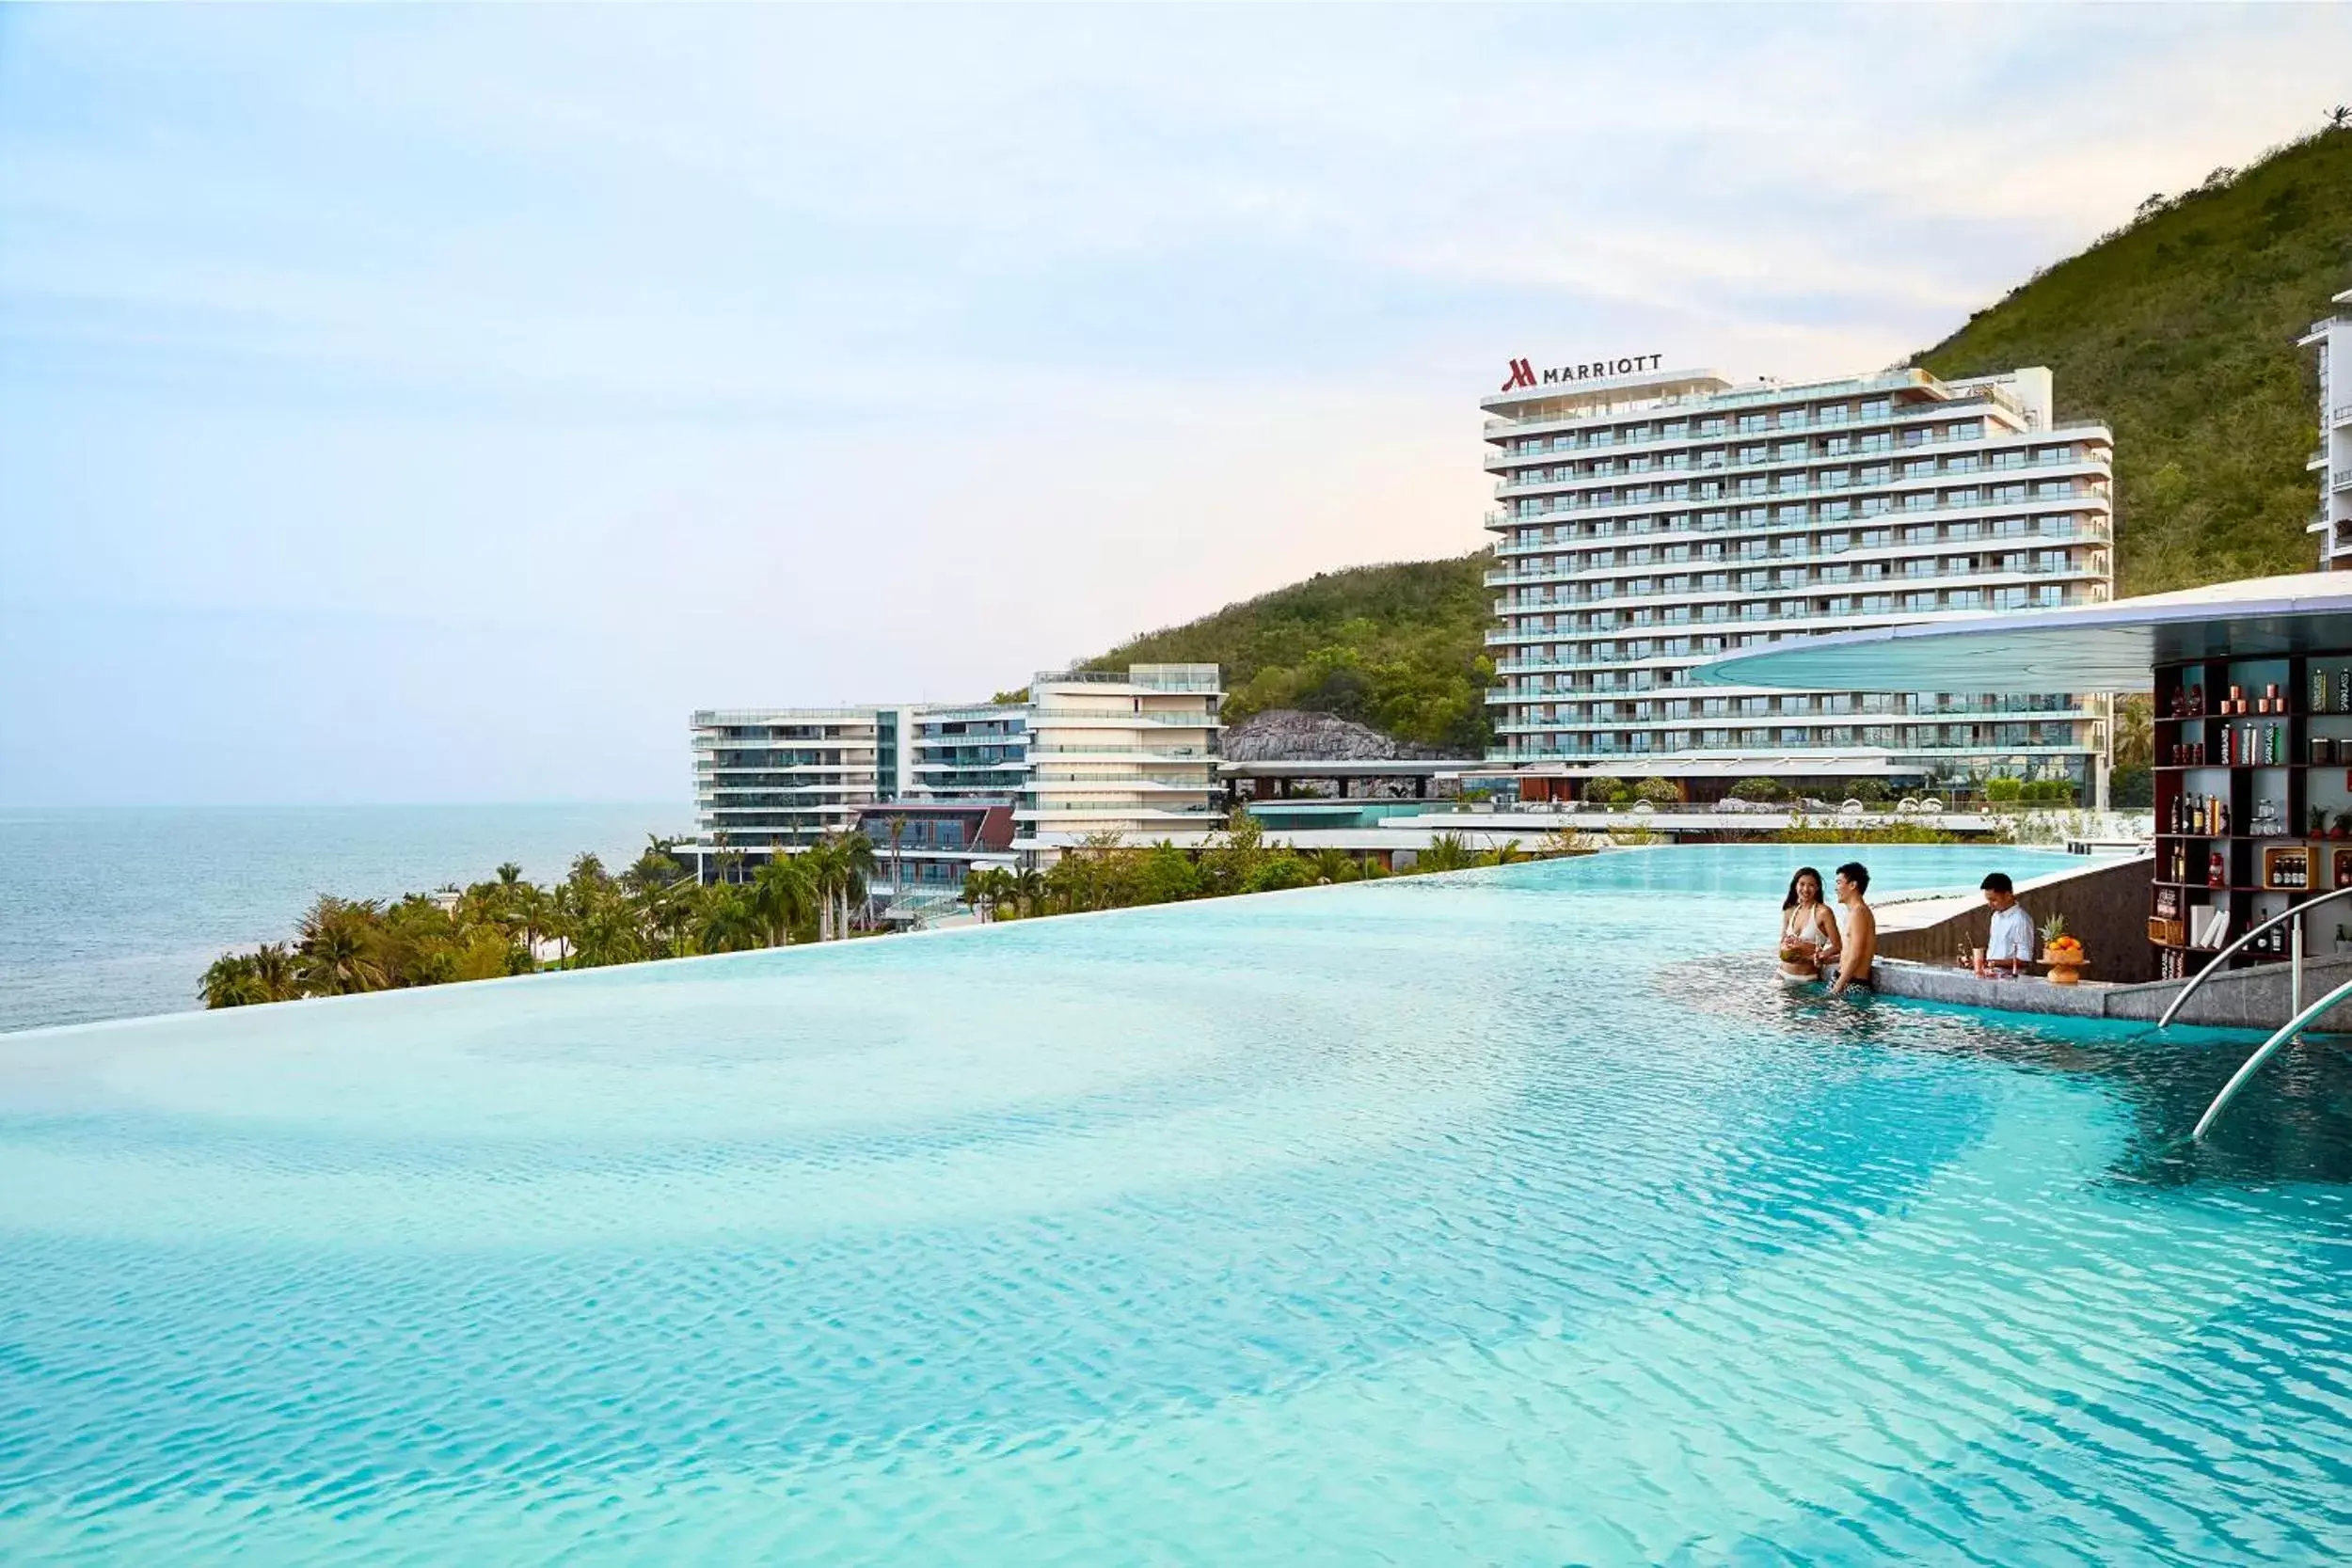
1808,932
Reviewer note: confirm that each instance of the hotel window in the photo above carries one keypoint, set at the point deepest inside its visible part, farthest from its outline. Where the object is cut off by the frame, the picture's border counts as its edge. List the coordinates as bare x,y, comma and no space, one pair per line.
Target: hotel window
1790,452
1673,430
1968,430
1752,422
1919,500
1835,510
1790,514
1916,435
2013,459
1918,602
1877,408
1835,479
1793,418
1712,425
1789,483
1751,454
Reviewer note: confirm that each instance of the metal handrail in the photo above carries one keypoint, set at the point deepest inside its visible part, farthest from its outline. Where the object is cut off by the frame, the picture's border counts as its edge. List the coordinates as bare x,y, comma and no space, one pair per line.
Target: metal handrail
2269,1046
2206,972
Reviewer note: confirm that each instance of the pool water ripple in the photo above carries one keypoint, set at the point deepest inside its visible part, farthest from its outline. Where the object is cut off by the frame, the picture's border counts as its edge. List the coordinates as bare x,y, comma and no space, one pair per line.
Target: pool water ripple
1497,1218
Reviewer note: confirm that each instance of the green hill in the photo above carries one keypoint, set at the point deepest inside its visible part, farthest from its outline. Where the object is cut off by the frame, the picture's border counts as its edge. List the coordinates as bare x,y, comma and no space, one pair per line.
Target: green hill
1399,647
2179,330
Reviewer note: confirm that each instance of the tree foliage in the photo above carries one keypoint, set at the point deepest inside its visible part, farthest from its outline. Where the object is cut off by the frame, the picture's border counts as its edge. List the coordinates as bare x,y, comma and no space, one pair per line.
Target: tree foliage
2179,332
1400,647
510,925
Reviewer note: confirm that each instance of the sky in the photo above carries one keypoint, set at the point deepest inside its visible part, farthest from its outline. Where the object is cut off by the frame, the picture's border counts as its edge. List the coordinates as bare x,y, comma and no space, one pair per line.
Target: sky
437,403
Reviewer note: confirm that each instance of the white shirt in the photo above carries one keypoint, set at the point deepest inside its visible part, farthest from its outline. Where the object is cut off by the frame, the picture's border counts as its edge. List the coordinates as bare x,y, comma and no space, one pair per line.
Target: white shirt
2012,936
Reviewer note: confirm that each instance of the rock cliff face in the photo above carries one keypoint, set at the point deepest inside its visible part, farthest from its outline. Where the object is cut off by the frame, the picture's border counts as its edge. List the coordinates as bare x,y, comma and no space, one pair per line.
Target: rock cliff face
1286,735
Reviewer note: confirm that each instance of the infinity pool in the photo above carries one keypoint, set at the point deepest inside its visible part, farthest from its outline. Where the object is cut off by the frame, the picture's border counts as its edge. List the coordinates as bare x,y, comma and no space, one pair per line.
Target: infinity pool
1487,1218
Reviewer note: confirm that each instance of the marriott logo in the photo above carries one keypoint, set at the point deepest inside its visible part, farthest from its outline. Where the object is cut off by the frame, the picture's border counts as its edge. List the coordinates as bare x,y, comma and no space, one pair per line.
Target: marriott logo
1524,375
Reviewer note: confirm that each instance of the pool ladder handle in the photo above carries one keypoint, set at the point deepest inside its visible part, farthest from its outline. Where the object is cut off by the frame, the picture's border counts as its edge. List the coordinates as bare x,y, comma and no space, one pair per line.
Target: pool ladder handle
2301,1018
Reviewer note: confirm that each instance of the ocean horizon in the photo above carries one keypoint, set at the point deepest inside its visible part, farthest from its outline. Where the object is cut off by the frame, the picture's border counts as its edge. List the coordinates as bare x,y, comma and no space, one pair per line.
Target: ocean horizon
114,912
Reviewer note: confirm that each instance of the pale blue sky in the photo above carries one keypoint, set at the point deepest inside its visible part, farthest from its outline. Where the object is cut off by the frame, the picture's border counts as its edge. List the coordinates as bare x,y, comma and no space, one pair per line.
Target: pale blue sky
437,403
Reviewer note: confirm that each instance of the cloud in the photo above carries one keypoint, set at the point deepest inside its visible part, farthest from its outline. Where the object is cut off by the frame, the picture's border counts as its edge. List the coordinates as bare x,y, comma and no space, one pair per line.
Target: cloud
664,356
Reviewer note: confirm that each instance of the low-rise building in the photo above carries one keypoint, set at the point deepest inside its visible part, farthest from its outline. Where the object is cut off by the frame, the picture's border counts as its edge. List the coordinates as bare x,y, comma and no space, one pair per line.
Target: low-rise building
1132,755
925,849
1086,752
771,779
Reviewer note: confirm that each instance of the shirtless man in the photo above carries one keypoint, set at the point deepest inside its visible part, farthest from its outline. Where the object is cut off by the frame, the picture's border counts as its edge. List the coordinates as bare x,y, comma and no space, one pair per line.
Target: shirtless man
1860,928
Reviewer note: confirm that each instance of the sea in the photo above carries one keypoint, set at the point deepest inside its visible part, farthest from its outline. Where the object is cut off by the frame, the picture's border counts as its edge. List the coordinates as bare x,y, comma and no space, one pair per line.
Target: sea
115,912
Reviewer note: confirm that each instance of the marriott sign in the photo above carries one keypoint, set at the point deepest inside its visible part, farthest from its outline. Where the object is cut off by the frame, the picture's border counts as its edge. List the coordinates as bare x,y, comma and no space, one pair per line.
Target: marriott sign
1524,376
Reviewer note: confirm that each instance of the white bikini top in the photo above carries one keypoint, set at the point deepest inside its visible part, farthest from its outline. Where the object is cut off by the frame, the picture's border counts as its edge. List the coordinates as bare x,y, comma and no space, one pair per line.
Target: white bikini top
1789,931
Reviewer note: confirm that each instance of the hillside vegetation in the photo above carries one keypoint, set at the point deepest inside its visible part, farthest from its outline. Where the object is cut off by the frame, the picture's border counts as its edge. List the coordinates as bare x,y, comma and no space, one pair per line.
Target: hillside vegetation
1400,648
2178,330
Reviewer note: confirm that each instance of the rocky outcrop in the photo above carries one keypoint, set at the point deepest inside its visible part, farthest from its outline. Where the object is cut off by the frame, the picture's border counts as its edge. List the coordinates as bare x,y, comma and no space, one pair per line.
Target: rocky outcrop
1288,735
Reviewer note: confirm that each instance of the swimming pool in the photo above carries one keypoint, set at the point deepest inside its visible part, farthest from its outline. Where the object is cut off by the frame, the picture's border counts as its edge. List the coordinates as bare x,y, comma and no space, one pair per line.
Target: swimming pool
1491,1217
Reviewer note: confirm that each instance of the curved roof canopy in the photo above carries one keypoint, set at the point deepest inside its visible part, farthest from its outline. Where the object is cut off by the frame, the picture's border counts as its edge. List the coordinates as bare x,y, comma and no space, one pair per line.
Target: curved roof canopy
2097,647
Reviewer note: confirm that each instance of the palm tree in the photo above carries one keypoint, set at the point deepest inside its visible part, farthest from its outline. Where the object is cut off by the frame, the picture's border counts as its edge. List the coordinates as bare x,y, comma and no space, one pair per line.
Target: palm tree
340,947
1003,887
727,922
823,861
2134,731
857,857
1029,888
1507,853
509,874
782,896
1332,864
275,973
1446,852
230,982
898,881
976,890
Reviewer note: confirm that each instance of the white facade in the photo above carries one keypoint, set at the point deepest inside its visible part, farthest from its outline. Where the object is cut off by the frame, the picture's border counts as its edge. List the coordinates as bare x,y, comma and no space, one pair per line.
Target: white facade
976,753
2332,462
1133,755
1654,521
782,777
1087,753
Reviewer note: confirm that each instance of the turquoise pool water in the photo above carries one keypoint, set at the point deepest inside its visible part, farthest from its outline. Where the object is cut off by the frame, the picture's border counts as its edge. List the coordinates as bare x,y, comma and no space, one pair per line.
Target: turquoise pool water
1494,1218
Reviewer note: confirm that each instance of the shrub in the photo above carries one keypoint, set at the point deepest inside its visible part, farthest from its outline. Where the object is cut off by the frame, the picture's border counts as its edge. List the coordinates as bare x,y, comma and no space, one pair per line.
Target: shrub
1756,789
1870,792
2133,788
1658,792
2004,791
1605,791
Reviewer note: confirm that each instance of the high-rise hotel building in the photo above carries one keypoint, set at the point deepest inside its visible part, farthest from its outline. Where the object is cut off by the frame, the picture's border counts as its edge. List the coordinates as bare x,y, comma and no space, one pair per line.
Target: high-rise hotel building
1652,520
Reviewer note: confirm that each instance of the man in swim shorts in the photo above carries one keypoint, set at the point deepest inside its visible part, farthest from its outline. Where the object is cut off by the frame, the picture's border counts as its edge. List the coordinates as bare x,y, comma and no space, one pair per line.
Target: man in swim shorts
1859,929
